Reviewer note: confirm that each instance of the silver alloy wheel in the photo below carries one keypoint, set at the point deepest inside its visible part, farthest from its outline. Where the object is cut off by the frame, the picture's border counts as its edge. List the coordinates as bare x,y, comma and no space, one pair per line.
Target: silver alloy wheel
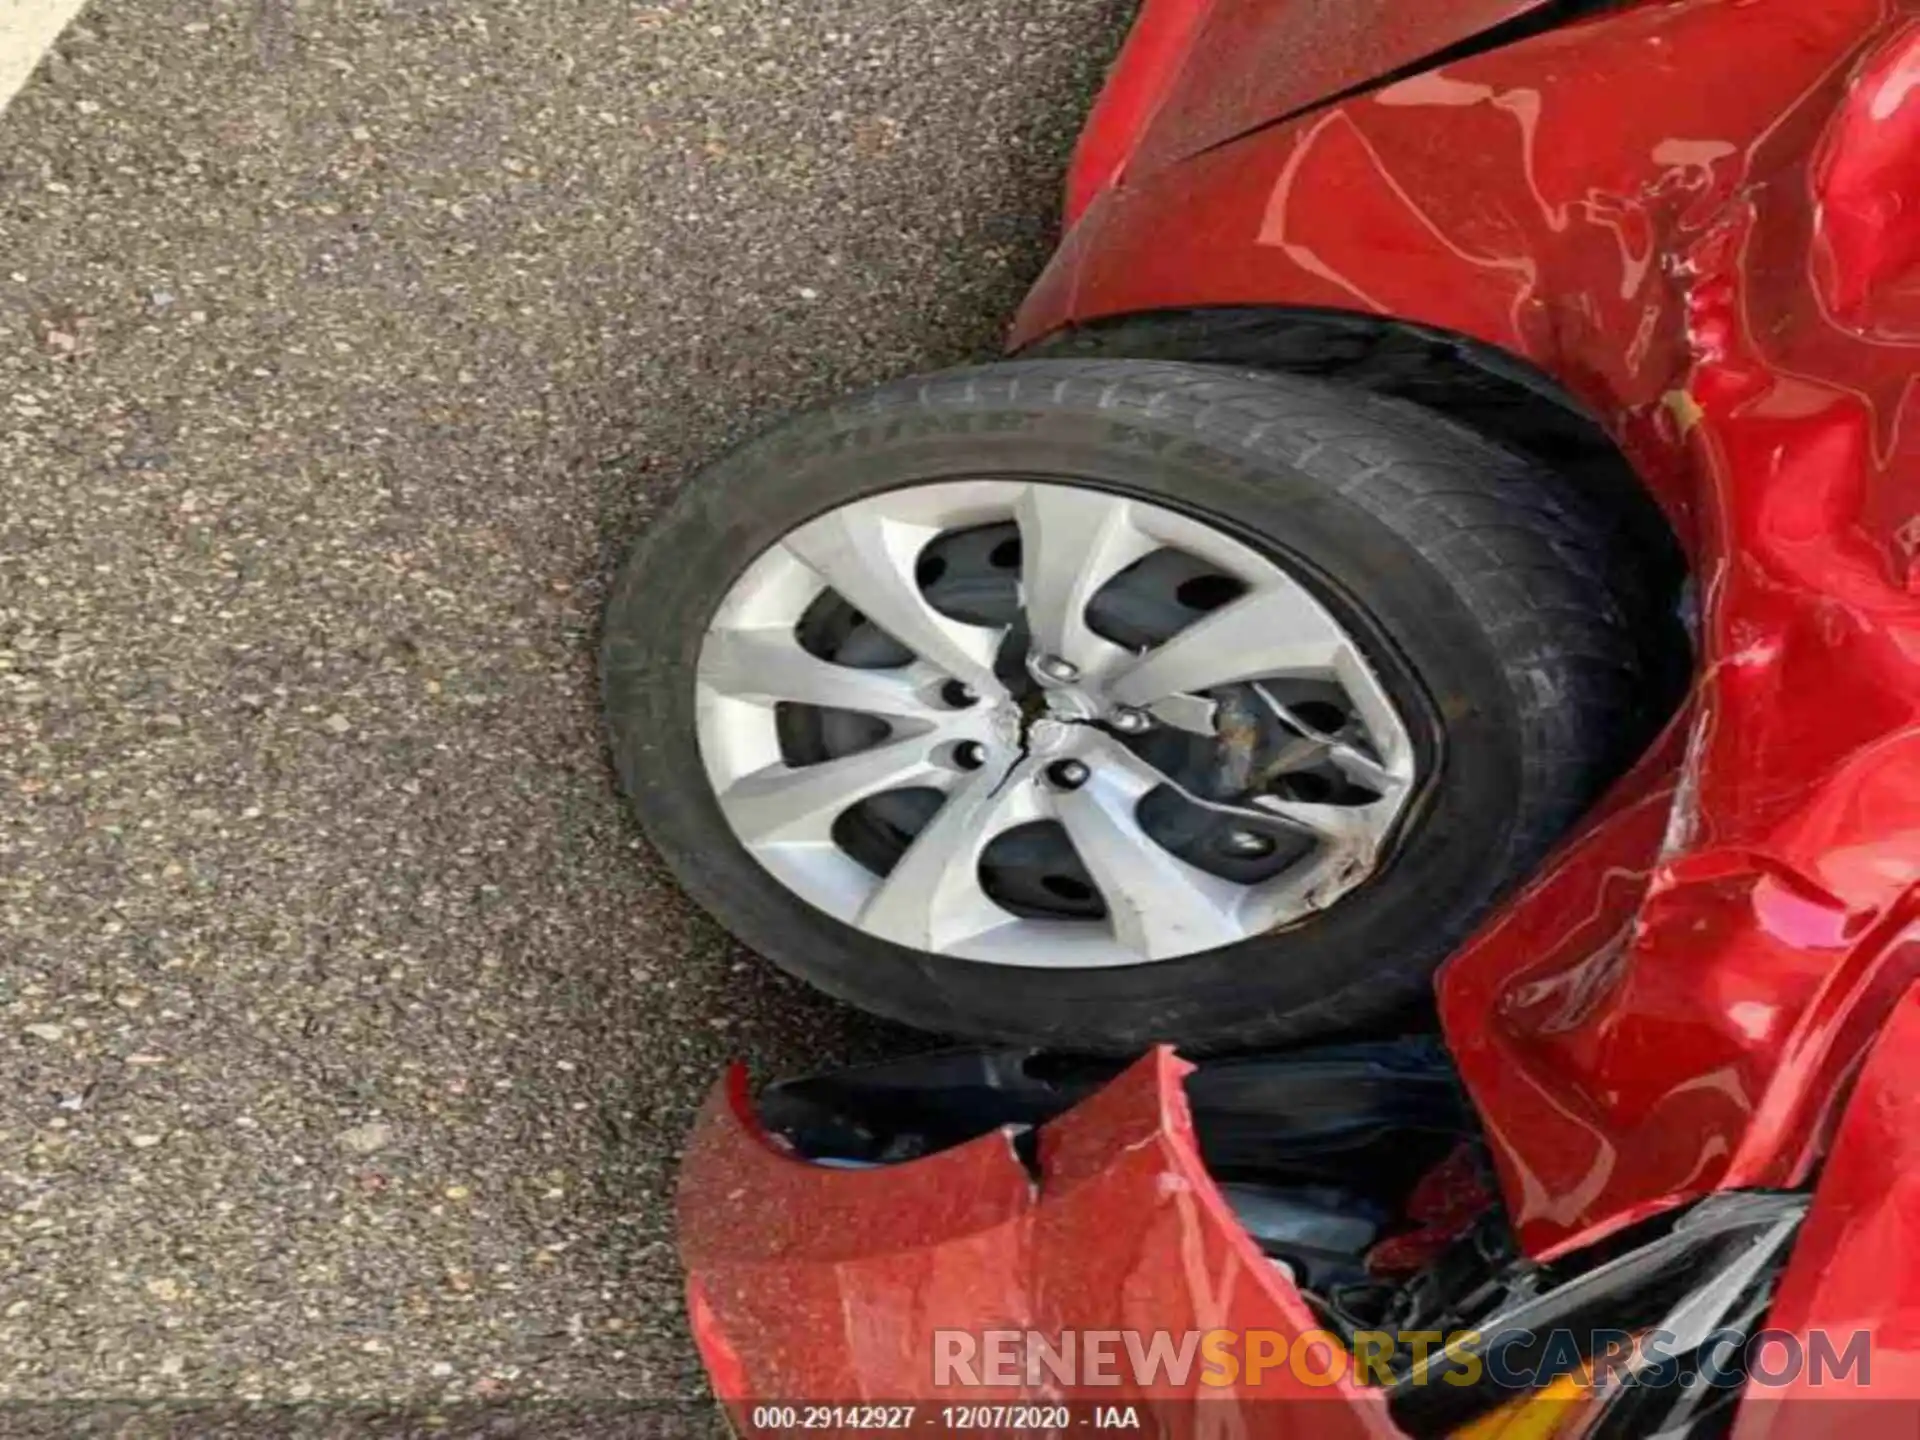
1057,747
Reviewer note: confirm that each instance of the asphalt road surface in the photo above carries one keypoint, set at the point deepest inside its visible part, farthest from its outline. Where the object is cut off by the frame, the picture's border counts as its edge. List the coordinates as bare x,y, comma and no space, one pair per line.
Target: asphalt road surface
348,1032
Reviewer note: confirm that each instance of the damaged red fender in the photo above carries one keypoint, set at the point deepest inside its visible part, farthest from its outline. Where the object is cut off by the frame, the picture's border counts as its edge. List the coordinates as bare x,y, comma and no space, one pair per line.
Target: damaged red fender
836,1280
1699,218
1157,107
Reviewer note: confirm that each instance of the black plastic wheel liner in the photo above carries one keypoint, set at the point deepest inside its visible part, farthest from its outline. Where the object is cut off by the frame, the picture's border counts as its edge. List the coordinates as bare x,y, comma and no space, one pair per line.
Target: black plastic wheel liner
1368,1117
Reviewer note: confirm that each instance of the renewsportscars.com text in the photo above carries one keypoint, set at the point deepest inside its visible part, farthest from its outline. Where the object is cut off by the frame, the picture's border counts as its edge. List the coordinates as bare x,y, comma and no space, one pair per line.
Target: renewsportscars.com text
1518,1359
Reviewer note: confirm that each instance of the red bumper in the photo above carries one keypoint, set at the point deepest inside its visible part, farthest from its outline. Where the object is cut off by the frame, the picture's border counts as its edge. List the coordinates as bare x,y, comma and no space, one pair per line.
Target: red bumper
814,1284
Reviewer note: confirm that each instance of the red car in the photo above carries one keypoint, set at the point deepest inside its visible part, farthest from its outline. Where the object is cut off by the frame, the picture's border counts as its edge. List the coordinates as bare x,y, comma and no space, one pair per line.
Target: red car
1454,497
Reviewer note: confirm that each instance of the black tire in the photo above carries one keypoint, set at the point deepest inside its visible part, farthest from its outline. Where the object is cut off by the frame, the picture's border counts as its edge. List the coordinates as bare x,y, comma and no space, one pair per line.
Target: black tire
1478,589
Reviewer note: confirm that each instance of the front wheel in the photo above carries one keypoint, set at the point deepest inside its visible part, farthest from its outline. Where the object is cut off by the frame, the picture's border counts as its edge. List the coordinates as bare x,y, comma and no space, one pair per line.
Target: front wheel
1093,703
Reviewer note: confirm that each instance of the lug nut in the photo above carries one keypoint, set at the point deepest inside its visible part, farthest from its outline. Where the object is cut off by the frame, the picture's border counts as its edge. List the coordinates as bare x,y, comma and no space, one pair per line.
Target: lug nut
970,755
957,694
1248,844
1052,667
1068,774
1132,722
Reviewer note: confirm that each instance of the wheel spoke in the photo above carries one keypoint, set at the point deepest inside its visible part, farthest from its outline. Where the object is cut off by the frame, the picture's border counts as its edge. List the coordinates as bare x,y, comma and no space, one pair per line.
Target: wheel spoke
869,558
1194,714
1347,832
1312,744
932,898
784,804
1296,752
1277,630
768,665
1072,542
1157,903
1363,770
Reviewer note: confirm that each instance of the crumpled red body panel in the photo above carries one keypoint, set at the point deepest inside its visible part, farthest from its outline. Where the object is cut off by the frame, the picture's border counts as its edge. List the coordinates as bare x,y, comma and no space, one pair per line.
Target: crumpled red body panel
1699,218
839,1278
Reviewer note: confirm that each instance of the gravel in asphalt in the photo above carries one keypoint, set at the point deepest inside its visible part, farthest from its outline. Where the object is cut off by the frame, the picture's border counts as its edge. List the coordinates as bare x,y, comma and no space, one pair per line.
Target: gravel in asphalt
348,1031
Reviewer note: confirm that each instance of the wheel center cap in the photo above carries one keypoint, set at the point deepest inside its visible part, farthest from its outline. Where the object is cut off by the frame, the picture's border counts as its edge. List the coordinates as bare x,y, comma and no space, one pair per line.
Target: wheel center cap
1008,723
1047,737
1043,724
